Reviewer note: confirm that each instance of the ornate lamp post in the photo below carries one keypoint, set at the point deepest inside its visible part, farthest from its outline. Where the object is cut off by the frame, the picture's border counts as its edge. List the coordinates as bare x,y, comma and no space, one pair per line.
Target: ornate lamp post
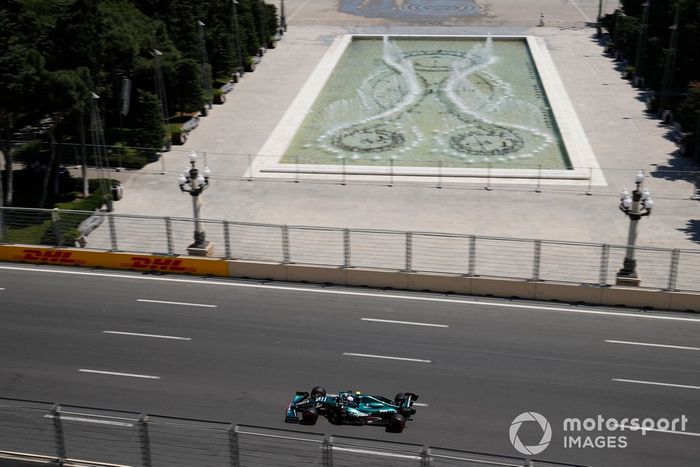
193,182
636,206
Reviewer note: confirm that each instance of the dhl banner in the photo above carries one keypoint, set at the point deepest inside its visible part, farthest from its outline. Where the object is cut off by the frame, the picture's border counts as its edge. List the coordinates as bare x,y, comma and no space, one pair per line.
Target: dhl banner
134,261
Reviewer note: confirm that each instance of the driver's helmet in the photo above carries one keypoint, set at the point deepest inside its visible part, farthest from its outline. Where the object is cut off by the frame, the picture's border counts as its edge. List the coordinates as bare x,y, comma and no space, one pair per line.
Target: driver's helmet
350,399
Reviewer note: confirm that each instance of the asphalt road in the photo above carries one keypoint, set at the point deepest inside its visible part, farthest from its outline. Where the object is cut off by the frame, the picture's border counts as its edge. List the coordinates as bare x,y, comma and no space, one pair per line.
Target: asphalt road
245,347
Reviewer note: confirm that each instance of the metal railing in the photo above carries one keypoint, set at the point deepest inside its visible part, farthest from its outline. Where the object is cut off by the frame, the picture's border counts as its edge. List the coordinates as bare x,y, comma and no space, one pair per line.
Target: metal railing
95,436
468,255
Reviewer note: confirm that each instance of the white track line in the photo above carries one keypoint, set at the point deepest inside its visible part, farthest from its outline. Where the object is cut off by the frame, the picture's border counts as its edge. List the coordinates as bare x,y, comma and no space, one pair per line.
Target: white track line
646,344
298,10
355,294
420,404
175,303
377,453
83,370
405,322
654,383
585,16
655,430
158,336
349,354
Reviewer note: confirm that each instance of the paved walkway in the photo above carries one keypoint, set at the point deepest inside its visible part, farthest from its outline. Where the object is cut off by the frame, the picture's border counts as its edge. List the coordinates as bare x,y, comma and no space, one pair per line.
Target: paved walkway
611,112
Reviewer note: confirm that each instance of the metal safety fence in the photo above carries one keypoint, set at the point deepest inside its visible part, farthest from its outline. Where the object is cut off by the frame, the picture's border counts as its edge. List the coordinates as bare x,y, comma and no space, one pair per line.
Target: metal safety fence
96,436
427,252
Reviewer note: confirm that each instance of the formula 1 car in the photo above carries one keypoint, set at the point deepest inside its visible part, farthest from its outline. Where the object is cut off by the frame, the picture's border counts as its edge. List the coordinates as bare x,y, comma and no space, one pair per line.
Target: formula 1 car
351,408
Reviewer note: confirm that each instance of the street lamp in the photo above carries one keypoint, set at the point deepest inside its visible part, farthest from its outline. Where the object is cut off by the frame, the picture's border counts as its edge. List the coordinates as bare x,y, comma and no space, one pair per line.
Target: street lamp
283,19
193,182
636,206
237,32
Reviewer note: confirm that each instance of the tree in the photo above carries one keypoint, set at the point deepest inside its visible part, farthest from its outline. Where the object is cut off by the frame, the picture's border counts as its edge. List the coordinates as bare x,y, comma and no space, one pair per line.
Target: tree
21,72
148,128
189,81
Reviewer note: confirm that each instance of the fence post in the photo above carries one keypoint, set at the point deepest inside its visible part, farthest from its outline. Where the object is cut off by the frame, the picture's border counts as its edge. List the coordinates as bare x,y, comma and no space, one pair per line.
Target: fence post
344,168
296,158
488,178
673,271
112,232
55,222
538,188
536,260
604,260
227,239
327,451
425,457
233,446
439,184
346,247
58,433
145,441
409,251
169,235
589,191
250,167
2,225
472,255
286,257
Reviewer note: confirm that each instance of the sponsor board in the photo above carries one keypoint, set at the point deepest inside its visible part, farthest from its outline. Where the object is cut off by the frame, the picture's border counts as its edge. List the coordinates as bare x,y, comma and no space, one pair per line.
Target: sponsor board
138,262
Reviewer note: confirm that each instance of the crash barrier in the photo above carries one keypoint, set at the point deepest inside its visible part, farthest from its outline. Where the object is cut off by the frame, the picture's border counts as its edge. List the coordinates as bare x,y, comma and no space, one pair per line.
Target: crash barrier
96,436
470,264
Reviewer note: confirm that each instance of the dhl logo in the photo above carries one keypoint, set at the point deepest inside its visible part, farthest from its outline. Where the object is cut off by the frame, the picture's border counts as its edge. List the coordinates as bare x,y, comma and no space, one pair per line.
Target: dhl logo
157,264
48,256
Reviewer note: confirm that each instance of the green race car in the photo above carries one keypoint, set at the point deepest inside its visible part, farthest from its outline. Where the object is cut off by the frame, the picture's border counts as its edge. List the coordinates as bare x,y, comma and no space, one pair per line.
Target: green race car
351,408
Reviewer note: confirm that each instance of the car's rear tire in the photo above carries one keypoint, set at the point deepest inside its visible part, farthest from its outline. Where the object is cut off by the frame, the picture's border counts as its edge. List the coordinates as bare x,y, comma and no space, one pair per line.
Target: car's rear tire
399,398
309,417
396,424
318,391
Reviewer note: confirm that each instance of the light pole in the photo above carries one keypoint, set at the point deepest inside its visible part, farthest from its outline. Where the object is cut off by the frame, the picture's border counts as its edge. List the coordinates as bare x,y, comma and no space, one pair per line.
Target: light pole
160,88
283,19
636,206
237,32
598,28
193,182
204,63
669,65
641,43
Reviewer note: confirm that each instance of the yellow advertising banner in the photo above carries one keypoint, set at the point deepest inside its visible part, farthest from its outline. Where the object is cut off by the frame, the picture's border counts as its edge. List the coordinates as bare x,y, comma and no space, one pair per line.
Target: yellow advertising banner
102,259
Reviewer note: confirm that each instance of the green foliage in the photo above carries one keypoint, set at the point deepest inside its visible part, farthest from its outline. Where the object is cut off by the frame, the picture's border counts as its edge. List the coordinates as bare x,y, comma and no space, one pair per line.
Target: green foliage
689,109
190,92
148,129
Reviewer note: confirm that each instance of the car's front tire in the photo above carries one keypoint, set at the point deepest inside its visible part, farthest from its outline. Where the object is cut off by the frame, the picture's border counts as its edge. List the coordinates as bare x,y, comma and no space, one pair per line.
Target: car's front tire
309,417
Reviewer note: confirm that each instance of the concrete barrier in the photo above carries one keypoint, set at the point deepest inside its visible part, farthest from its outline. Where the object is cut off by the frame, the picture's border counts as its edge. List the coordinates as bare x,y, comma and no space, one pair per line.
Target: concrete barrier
633,296
445,283
507,288
376,278
574,293
257,270
400,280
316,274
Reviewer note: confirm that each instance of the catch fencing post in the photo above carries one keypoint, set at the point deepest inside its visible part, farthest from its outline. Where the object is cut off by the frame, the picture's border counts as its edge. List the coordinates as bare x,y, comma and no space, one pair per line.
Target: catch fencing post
112,232
346,247
590,181
58,433
145,441
233,446
439,184
55,221
169,235
327,451
425,457
604,260
286,257
673,270
409,251
472,255
488,178
227,239
538,189
536,260
250,167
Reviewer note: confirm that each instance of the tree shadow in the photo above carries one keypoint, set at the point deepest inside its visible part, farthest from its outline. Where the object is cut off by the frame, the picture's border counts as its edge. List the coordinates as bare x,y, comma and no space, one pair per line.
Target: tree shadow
692,230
